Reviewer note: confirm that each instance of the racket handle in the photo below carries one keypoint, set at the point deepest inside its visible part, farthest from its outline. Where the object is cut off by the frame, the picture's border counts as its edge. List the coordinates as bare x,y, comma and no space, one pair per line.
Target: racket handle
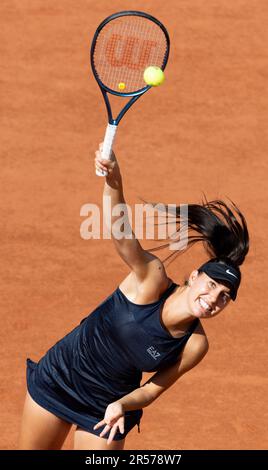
107,146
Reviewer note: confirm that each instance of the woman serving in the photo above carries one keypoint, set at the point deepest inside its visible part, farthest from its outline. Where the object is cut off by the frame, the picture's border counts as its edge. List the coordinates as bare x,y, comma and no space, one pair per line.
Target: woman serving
92,376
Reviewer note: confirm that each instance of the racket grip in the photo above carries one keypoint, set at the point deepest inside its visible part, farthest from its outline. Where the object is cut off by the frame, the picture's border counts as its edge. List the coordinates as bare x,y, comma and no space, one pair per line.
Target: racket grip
107,145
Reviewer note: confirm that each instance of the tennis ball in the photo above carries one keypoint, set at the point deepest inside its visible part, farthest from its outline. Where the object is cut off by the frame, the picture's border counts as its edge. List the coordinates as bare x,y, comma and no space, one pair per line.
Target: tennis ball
153,75
121,86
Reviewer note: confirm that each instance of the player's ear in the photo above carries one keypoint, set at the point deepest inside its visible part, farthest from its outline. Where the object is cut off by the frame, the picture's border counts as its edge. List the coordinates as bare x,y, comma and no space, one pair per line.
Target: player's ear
193,276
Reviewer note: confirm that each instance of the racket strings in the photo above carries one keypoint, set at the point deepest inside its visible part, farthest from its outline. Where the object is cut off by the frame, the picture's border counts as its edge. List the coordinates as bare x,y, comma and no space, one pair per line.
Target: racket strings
124,48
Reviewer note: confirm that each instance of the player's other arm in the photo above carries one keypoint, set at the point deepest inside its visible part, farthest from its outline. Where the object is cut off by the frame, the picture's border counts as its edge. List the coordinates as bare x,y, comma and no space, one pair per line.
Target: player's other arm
195,350
130,249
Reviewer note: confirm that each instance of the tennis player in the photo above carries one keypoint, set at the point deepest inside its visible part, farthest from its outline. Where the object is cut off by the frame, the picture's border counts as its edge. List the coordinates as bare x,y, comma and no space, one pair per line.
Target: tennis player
92,377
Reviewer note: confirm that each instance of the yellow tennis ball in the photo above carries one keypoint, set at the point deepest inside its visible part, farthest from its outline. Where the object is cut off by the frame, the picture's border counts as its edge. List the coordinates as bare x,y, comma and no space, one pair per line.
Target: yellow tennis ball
153,75
121,86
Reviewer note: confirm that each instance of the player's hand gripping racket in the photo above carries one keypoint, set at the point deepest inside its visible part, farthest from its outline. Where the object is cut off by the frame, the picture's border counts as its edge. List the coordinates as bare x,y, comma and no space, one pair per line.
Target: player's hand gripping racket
124,45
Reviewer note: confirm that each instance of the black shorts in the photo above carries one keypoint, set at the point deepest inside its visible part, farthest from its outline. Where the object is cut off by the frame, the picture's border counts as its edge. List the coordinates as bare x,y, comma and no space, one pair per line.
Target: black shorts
53,400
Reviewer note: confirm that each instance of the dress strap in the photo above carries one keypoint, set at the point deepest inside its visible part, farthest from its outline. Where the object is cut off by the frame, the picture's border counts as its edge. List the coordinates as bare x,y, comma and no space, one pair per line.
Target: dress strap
169,291
192,327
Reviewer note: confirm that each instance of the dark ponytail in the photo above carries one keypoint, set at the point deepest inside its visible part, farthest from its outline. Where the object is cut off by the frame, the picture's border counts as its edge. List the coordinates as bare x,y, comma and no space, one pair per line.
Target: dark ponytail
221,228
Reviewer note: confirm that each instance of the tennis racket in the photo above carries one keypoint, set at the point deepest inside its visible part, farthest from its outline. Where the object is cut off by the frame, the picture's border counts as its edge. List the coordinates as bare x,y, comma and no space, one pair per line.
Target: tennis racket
124,45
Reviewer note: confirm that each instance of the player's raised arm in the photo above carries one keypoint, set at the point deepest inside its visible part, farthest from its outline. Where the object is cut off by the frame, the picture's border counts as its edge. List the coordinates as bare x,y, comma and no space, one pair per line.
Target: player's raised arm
128,247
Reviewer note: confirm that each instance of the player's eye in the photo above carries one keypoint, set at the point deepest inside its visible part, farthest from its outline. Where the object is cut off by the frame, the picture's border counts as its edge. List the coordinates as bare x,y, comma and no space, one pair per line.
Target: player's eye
225,297
211,284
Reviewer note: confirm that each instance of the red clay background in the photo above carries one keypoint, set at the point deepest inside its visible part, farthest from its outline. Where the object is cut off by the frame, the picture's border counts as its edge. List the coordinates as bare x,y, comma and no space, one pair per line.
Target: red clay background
205,130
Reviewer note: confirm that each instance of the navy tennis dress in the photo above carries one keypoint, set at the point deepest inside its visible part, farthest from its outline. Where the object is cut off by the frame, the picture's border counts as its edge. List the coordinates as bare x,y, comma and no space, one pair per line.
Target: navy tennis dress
102,359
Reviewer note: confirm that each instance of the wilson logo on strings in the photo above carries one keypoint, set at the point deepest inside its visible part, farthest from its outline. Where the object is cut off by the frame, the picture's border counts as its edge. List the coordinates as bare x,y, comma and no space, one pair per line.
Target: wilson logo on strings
122,52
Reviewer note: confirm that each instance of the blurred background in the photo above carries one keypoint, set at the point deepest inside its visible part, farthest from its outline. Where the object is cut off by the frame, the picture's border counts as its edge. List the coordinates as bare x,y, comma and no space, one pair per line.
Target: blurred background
204,130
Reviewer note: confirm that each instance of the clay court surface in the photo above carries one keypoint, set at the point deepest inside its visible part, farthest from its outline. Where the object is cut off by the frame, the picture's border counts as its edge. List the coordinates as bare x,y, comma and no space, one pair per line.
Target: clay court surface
205,130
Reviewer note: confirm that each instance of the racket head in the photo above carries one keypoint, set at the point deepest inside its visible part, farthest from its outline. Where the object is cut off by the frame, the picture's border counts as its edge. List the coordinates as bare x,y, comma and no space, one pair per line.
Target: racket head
123,46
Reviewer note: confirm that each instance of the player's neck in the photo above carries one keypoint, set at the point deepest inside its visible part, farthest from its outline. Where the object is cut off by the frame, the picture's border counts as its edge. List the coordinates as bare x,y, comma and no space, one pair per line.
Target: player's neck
176,314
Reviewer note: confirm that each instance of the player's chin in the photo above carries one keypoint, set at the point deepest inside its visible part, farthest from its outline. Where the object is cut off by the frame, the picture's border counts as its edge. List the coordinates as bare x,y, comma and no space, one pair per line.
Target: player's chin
199,312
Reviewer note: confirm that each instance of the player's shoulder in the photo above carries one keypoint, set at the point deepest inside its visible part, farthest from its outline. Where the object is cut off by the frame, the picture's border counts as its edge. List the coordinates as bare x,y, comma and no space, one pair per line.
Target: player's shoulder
156,276
154,263
198,344
195,350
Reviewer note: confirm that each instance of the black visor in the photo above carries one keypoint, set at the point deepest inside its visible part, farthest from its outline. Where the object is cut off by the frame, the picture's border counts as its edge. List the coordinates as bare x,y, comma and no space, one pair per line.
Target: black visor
221,271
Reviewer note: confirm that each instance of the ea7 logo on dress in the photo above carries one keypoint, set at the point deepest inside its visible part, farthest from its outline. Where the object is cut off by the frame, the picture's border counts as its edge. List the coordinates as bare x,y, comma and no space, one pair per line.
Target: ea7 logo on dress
153,352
